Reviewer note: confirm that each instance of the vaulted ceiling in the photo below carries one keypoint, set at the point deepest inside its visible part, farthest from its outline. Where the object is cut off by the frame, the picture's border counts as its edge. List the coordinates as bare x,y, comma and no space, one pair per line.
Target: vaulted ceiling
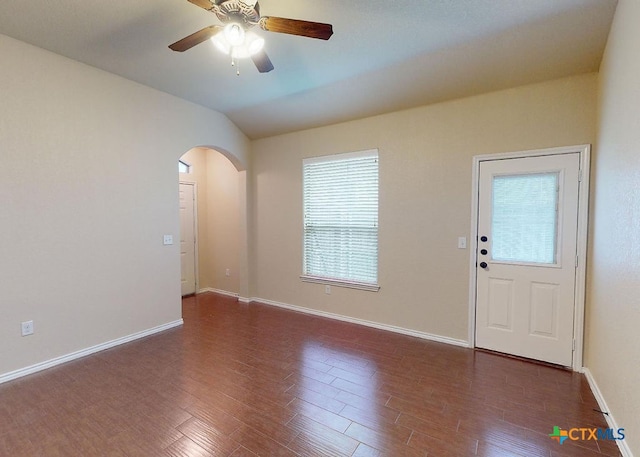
384,55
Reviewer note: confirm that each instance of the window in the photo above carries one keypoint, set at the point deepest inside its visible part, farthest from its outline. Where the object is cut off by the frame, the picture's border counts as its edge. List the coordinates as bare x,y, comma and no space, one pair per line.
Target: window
340,203
525,218
183,167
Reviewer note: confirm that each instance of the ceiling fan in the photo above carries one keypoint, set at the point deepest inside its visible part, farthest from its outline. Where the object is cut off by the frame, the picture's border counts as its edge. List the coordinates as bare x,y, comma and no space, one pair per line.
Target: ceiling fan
235,37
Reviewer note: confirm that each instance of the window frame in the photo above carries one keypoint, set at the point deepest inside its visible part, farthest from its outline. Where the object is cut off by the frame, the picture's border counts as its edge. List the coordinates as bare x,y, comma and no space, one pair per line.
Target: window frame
340,282
184,164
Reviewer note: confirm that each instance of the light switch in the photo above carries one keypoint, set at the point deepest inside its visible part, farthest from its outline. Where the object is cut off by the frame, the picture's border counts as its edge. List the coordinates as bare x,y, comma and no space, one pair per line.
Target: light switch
462,242
168,239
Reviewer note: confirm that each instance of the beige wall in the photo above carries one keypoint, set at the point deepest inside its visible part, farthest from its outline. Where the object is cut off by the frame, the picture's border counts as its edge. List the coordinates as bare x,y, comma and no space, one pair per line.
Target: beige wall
613,322
223,224
221,205
87,191
425,194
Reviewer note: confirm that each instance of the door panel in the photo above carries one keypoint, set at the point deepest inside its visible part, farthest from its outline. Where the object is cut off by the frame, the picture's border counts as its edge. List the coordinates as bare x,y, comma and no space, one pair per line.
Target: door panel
500,304
527,210
187,239
544,309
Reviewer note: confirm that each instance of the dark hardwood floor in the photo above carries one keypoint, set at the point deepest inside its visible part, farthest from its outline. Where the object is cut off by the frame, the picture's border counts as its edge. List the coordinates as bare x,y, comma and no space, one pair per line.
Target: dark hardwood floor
243,380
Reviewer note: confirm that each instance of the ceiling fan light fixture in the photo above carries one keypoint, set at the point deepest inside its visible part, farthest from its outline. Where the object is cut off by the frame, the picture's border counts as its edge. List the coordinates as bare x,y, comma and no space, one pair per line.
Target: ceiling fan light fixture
221,43
254,43
234,34
251,45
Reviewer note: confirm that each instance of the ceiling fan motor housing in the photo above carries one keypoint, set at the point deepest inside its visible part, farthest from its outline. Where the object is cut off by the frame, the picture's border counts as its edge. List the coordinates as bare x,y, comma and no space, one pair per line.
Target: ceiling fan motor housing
237,11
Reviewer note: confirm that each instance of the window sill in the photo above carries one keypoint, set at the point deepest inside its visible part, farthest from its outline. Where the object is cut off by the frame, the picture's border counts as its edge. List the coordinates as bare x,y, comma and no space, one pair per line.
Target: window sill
340,283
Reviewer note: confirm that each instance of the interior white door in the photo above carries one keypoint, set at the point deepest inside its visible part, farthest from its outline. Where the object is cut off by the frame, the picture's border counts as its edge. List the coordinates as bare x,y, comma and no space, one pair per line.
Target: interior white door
187,239
527,231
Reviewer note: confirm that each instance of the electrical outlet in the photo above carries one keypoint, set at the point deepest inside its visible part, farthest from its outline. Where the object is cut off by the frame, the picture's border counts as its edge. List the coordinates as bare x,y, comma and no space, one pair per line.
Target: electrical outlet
167,240
228,272
27,328
327,290
462,242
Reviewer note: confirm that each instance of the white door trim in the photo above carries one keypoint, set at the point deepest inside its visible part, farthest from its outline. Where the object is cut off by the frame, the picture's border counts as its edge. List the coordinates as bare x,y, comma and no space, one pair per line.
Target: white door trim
583,218
195,228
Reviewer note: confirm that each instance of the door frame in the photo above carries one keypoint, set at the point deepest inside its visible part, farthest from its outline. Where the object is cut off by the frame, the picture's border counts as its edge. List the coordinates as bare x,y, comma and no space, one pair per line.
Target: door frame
582,229
195,229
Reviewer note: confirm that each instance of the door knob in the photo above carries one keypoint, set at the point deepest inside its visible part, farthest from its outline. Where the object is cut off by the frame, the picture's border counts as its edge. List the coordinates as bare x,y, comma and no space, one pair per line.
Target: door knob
484,239
483,265
484,252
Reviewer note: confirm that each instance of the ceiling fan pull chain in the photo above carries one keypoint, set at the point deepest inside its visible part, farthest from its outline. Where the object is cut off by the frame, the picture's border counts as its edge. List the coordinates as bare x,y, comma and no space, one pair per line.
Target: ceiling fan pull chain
235,63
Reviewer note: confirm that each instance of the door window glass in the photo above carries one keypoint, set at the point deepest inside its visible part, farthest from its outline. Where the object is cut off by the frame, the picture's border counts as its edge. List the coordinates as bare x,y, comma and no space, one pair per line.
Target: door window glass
524,221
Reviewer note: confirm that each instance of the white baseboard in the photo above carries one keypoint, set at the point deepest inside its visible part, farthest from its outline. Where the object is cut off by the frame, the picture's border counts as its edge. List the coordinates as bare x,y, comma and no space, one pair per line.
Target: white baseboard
226,293
353,320
613,424
85,352
218,291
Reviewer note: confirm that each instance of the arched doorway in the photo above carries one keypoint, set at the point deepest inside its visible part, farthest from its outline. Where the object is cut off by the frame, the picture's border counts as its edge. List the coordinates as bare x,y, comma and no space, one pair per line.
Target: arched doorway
213,223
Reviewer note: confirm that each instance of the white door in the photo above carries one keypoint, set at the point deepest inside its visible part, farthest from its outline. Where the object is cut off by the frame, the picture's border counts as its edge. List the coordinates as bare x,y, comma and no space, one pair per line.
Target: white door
187,239
527,229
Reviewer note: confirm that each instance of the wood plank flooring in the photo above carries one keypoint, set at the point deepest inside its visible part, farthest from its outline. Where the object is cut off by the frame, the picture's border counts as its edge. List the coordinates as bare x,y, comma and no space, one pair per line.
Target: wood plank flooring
245,380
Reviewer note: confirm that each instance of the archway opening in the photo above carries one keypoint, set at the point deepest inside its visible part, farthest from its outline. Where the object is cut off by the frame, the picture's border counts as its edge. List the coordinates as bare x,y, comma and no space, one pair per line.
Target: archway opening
213,242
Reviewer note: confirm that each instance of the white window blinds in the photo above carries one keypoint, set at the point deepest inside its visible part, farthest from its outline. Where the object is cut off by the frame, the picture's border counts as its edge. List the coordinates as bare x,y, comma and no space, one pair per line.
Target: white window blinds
524,224
340,199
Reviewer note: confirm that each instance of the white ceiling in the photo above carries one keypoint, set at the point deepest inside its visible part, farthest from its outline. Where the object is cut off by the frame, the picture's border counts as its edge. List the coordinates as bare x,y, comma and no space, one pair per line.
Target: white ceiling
384,55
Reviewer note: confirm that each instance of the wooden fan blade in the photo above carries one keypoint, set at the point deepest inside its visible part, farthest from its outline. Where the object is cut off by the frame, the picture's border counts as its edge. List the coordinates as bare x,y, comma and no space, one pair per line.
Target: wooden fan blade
262,61
195,38
297,27
206,4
